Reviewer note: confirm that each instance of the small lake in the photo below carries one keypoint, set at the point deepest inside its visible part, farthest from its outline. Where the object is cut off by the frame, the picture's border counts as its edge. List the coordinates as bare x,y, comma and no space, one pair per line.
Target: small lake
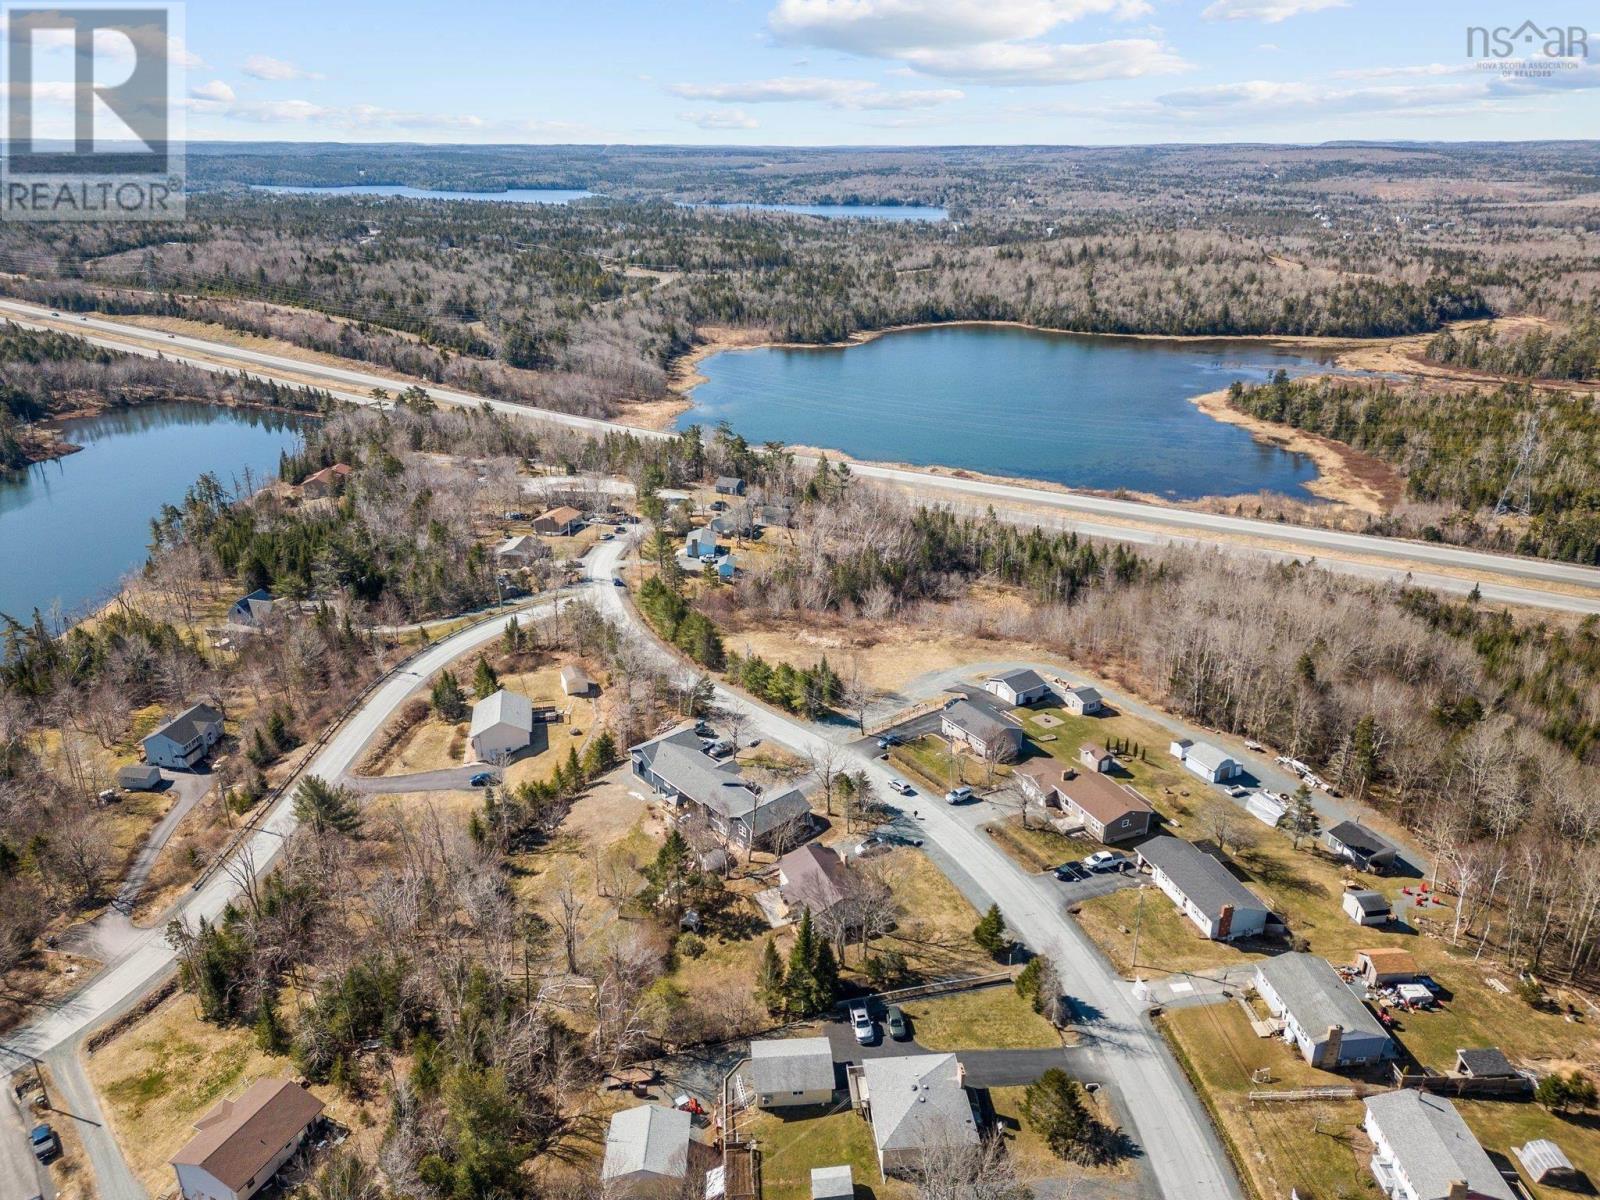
1074,409
71,528
508,196
860,212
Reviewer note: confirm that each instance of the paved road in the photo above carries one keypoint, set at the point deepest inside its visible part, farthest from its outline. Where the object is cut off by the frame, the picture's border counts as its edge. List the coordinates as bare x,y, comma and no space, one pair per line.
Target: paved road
147,959
1501,578
1165,1116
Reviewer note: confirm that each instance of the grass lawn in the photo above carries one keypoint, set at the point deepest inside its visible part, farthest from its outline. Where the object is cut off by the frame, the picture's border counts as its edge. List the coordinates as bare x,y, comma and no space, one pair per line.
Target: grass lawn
1316,1148
1168,941
818,1137
1500,1126
1034,1160
991,1018
1038,847
1156,774
926,762
156,1079
935,929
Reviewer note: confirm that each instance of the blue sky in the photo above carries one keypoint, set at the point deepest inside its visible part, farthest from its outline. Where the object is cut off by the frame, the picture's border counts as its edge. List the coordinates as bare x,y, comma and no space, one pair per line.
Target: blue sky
829,72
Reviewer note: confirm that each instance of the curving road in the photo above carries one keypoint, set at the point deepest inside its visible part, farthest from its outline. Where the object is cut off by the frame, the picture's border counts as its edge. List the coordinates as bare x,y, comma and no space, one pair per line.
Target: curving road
1499,577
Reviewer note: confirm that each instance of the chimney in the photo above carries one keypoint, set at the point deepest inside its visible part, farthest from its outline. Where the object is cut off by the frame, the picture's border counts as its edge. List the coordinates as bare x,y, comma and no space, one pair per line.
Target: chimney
1329,1058
1224,922
1458,1190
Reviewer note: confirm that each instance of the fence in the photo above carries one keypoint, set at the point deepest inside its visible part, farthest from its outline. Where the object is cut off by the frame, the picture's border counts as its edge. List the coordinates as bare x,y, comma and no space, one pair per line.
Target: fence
1499,1087
937,988
1296,1095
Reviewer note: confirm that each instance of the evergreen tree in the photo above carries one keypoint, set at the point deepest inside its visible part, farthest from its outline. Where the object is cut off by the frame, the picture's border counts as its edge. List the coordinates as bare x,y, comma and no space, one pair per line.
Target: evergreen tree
271,1036
326,808
512,638
991,934
449,701
1300,820
801,985
1055,1109
484,680
769,978
601,755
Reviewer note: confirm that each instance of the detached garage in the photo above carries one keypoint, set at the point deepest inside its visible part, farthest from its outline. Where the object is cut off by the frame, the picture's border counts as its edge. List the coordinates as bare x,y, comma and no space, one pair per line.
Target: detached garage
502,724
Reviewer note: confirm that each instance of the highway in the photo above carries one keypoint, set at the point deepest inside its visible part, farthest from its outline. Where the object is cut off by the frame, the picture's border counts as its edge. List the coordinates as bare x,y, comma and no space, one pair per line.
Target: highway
1502,578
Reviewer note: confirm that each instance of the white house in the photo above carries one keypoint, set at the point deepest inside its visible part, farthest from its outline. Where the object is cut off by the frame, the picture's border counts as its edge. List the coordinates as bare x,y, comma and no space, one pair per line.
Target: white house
1423,1150
1211,764
648,1150
184,740
792,1072
1327,1022
984,734
1018,687
502,724
1220,906
1082,701
914,1101
239,1145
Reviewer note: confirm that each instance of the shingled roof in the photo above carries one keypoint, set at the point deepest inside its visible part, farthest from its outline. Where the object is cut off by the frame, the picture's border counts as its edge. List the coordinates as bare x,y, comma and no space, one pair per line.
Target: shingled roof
237,1139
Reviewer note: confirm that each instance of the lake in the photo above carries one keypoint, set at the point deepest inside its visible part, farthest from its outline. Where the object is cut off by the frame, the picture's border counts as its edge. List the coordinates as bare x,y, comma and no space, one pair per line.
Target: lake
71,528
1080,410
860,212
508,196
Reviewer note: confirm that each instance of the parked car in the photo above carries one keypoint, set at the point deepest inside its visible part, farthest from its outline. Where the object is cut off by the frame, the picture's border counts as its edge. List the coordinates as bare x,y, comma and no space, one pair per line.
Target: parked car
1105,860
1253,745
607,536
958,795
900,785
889,739
870,845
617,582
482,779
1070,872
899,1027
862,1025
708,558
46,1143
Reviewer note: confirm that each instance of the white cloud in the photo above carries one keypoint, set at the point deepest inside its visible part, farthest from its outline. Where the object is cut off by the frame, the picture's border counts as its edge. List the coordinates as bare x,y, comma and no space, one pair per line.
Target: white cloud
216,91
1423,70
1270,11
980,41
836,93
275,70
732,118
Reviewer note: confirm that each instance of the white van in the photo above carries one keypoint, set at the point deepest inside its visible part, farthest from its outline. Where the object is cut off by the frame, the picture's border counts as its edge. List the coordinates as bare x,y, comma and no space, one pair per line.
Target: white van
957,795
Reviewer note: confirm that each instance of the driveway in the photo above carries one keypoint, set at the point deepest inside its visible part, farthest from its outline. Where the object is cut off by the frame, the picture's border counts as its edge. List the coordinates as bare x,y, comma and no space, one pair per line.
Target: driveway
443,780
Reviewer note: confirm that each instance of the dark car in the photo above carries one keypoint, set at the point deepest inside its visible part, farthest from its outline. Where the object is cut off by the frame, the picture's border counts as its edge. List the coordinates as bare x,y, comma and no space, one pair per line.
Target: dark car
482,779
1070,872
899,1027
46,1143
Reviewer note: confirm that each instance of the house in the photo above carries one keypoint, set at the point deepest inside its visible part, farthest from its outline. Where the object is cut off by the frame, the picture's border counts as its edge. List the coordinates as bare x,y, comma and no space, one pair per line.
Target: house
913,1102
1545,1164
575,681
239,1145
1366,907
1205,891
648,1150
502,724
1386,966
1110,811
675,766
791,1072
986,735
779,516
560,521
1423,1150
254,610
1211,764
1082,701
327,482
139,779
832,1183
1097,758
729,485
521,550
1018,687
1330,1025
184,740
700,542
813,877
1369,852
1485,1062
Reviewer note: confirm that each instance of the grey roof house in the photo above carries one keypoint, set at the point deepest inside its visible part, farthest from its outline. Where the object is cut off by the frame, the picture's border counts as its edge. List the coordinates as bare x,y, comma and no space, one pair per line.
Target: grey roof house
1330,1025
1361,846
675,766
647,1149
1018,687
729,485
986,735
914,1101
1204,890
813,877
254,610
790,1072
184,740
1083,701
1423,1150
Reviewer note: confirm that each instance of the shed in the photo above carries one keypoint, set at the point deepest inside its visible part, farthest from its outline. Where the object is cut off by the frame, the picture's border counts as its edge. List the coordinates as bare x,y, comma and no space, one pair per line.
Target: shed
1210,763
1485,1062
1018,687
791,1072
1179,748
1366,907
1097,758
1358,844
575,681
139,779
647,1147
1082,701
502,724
832,1183
1544,1162
1386,965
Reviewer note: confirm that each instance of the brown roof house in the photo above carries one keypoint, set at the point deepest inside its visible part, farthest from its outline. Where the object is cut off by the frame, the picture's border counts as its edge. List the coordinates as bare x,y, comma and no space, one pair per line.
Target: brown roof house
325,482
561,521
1110,811
812,877
239,1144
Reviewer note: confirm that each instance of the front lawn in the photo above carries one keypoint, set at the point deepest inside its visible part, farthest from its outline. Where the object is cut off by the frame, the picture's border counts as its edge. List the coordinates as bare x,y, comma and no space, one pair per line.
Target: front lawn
991,1018
1038,847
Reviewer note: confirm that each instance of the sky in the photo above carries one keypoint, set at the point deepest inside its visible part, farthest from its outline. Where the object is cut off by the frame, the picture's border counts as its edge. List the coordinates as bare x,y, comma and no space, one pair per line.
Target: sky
866,72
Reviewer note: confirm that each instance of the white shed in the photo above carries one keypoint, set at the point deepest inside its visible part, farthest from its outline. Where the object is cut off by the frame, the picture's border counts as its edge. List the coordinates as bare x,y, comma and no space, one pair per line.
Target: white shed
832,1183
647,1149
502,724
